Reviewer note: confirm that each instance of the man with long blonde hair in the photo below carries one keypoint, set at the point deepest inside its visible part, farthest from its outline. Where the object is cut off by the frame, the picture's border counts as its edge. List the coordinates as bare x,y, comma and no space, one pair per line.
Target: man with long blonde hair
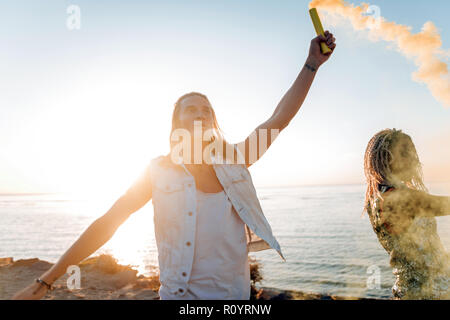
207,216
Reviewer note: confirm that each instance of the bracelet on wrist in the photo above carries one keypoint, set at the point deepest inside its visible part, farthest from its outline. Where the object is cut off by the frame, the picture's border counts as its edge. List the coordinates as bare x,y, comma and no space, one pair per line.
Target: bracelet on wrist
42,282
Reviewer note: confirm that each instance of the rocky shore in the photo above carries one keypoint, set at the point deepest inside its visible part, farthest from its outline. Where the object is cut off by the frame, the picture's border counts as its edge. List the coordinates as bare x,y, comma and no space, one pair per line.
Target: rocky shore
103,278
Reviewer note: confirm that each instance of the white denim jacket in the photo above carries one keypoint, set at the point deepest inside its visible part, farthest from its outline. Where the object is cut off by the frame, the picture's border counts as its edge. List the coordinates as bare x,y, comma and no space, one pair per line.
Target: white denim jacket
174,202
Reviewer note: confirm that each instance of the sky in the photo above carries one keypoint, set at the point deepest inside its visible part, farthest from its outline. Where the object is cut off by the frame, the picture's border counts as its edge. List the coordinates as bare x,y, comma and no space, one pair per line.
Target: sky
85,110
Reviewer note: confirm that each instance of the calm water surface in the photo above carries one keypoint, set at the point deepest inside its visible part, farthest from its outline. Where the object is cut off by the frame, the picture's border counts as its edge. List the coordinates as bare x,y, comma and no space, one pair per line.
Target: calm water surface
329,247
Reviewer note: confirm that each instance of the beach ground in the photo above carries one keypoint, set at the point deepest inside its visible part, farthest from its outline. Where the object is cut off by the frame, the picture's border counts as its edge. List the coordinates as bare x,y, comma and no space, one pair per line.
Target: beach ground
104,279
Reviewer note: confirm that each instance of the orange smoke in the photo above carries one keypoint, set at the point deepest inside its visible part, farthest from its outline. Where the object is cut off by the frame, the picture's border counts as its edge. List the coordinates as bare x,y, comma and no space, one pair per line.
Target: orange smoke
424,48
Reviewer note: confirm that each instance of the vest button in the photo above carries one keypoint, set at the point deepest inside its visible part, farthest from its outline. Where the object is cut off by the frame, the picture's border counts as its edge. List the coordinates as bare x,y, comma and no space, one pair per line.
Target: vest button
183,274
190,213
188,243
180,289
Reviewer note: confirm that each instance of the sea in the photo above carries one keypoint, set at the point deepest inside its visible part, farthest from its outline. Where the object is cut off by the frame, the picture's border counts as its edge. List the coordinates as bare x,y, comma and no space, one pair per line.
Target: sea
327,240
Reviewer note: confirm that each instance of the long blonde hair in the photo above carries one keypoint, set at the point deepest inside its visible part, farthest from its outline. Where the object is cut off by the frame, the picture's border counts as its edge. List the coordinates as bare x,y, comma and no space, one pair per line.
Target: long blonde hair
377,165
176,123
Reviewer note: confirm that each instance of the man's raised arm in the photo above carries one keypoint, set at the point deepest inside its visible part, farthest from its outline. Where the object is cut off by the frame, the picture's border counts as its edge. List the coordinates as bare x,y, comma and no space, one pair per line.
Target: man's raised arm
262,137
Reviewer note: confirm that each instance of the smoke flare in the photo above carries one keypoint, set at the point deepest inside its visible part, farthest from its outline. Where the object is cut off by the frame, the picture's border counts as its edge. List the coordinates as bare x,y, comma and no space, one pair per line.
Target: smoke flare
423,48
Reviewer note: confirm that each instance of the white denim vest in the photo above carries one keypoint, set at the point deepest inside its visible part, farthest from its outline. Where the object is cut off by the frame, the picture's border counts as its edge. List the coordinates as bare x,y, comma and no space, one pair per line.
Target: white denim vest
174,202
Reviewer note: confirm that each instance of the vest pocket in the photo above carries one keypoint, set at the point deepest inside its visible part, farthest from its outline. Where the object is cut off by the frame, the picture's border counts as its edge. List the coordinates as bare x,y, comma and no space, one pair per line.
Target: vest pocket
168,201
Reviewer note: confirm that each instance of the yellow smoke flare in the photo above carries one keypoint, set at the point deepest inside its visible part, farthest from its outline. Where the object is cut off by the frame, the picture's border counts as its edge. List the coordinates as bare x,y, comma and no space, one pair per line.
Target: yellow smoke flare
319,29
423,48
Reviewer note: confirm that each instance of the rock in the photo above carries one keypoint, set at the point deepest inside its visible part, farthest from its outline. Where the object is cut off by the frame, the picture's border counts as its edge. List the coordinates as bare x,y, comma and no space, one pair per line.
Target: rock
282,296
25,262
147,295
143,284
41,266
6,261
149,283
263,294
79,295
125,278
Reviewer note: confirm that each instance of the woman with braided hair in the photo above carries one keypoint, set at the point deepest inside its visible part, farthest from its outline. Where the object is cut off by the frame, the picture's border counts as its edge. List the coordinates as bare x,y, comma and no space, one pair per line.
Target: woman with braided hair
402,214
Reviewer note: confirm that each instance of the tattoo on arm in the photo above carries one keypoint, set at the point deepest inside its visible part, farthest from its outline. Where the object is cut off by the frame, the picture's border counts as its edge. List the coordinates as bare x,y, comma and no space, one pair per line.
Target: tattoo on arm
312,69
